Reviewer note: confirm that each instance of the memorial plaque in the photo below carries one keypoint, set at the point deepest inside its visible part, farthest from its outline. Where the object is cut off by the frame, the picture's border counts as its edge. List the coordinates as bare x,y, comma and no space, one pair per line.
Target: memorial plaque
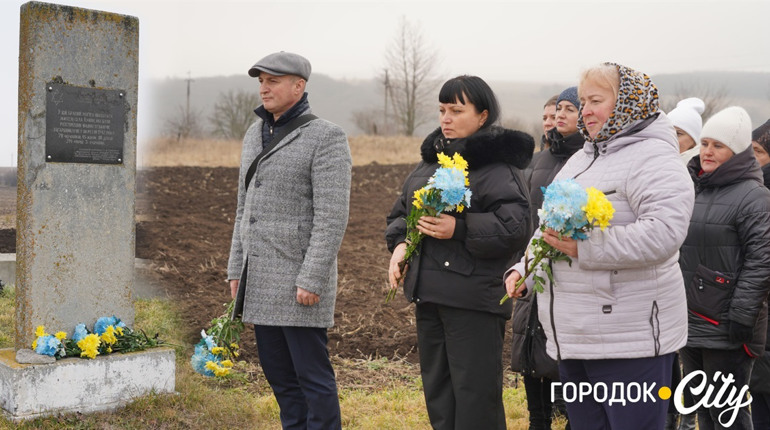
84,125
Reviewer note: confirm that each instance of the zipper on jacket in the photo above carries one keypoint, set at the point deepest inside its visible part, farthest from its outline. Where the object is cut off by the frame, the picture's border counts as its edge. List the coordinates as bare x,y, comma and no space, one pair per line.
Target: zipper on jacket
701,247
596,155
655,325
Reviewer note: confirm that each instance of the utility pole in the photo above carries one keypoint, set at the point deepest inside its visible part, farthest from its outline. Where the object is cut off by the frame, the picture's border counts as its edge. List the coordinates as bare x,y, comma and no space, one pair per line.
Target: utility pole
189,80
187,122
385,111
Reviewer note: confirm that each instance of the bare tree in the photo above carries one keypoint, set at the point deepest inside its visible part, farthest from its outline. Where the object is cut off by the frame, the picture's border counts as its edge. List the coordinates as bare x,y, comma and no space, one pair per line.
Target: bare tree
234,113
185,124
715,98
411,65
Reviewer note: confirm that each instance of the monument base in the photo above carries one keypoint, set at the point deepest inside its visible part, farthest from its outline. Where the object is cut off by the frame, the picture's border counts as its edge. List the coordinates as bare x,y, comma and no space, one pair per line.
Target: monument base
80,385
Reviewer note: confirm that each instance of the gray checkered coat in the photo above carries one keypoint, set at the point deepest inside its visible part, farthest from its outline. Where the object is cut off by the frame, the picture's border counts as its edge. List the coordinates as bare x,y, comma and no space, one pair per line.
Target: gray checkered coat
290,223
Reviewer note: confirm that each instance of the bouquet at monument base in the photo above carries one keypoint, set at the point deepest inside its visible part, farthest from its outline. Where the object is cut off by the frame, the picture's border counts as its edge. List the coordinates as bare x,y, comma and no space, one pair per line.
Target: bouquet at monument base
109,335
571,211
447,190
217,350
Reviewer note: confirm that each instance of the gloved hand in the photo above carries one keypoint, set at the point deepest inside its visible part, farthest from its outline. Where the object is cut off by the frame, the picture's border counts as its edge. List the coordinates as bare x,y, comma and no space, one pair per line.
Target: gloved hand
740,333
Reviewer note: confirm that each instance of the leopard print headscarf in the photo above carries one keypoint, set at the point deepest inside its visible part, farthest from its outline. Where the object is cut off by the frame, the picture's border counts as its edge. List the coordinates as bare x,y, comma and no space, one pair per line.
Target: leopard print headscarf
637,100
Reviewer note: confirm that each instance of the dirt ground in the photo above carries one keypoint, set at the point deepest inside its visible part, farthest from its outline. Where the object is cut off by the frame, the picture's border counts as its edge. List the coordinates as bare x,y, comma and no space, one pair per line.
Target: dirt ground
184,225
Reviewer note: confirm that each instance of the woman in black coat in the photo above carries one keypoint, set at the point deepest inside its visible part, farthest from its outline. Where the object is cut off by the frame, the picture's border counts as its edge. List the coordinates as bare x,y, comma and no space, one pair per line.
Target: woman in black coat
760,374
528,354
725,262
455,277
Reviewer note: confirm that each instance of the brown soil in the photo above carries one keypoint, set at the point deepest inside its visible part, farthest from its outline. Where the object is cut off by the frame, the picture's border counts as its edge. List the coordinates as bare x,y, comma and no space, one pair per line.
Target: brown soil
184,225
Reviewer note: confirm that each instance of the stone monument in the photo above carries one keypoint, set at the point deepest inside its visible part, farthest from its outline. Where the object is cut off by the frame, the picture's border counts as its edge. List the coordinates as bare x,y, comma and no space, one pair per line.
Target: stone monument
78,79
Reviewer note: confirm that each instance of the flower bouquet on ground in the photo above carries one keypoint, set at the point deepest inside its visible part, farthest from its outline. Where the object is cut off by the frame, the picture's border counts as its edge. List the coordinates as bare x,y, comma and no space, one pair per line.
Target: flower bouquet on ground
109,335
218,348
447,190
571,211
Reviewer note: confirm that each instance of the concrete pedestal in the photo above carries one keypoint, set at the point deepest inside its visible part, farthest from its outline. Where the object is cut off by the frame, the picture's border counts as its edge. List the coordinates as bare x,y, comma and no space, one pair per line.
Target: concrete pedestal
81,385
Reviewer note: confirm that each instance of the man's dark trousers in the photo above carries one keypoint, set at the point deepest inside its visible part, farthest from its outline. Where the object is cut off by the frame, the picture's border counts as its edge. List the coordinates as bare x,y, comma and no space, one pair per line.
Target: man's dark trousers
296,364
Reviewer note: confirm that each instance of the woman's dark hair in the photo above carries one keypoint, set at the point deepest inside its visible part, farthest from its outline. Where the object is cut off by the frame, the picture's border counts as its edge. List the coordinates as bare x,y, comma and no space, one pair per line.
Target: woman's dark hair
478,93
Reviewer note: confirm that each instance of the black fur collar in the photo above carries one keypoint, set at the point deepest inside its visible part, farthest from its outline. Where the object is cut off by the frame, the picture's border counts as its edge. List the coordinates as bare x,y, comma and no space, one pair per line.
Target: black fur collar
486,146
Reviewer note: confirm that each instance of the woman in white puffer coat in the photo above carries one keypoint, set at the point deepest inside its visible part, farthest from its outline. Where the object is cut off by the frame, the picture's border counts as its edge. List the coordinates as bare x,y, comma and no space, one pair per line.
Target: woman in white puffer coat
618,313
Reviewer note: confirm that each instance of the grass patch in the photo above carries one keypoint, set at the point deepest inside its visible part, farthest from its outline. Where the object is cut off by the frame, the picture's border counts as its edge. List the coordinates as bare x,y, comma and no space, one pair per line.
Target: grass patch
374,394
7,316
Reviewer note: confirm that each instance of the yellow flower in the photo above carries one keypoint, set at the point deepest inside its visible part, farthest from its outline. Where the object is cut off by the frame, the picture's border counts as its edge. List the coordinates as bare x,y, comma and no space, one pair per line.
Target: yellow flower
108,337
34,344
234,346
217,369
119,330
419,195
217,350
40,331
227,363
460,163
598,209
89,346
445,161
61,335
460,208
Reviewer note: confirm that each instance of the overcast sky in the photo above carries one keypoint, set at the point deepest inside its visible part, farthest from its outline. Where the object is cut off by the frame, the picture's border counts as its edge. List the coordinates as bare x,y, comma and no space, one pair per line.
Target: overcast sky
542,41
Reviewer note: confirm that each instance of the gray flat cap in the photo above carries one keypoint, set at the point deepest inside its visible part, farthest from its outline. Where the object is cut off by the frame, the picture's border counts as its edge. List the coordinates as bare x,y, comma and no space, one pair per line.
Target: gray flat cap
282,63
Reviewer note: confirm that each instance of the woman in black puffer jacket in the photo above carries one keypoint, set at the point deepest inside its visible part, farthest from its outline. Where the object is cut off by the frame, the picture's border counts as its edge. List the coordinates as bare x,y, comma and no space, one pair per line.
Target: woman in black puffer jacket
725,260
455,277
760,374
528,354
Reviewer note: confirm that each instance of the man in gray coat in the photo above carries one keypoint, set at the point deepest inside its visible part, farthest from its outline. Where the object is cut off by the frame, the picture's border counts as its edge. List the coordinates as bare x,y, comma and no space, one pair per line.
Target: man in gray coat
293,193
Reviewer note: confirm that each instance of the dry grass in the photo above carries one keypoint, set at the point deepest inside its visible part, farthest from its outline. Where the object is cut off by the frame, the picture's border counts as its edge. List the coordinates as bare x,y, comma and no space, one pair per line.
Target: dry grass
189,152
227,153
384,149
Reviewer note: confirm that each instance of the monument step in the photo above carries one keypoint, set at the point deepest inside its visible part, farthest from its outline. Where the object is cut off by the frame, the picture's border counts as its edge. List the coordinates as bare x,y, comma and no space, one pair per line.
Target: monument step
82,385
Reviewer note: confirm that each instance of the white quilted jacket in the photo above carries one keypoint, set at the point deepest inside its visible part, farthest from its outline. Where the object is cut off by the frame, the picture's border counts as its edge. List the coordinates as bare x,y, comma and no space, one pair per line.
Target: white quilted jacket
623,297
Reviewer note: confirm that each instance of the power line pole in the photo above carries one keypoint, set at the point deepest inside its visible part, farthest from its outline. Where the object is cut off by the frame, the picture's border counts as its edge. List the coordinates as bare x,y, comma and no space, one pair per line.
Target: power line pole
189,80
186,125
385,111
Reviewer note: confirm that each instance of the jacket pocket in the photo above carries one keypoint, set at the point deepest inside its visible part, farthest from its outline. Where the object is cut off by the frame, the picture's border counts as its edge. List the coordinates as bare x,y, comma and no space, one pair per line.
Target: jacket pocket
709,294
451,255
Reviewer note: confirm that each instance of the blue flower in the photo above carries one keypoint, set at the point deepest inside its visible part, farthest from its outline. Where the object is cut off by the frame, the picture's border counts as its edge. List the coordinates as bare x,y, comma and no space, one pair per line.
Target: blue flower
48,345
468,195
80,332
562,210
201,356
210,344
104,322
451,182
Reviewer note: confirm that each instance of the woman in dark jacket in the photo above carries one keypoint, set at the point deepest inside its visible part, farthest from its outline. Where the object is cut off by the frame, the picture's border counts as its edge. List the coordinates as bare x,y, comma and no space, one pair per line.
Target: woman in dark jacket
725,262
760,374
528,354
455,277
760,140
